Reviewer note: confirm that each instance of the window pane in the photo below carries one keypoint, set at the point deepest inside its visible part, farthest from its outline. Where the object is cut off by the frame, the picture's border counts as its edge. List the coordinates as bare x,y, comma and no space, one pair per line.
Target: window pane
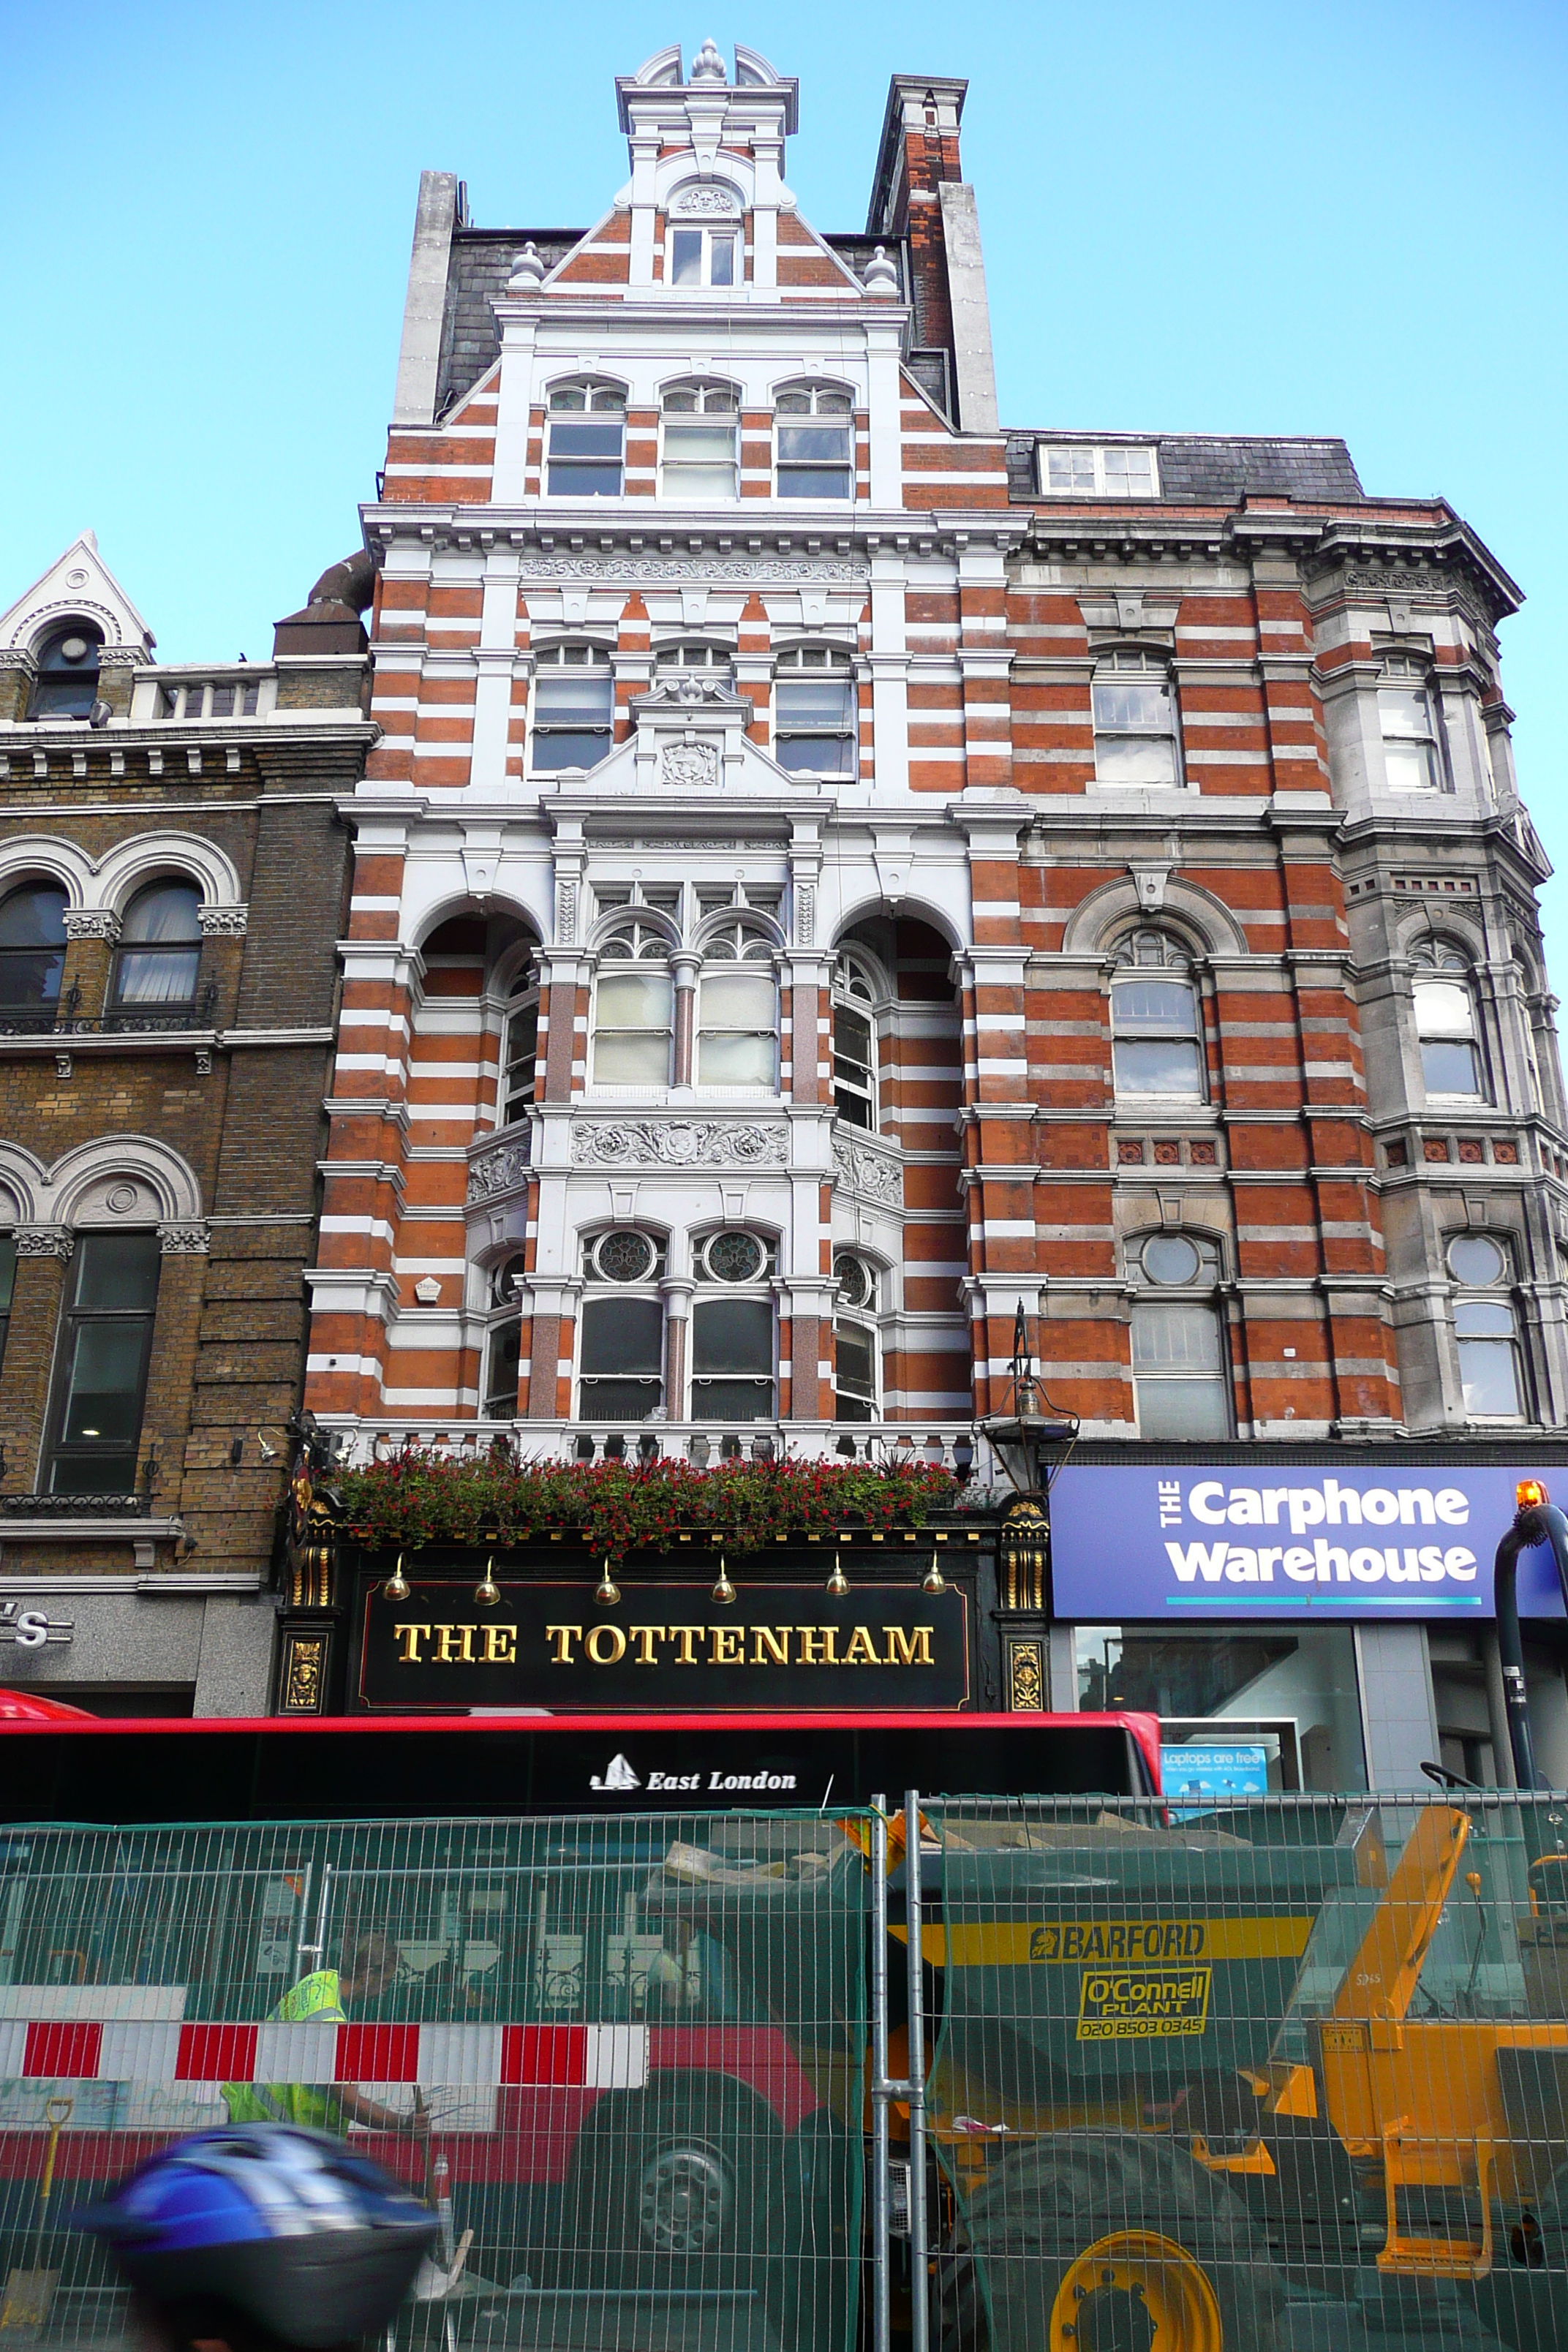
595,437
815,755
1129,471
1148,1005
105,1396
1162,1065
501,1389
622,1335
1449,1068
30,975
851,1038
815,482
156,976
619,1399
1488,1372
622,1058
117,1272
822,704
738,1000
169,911
855,1109
1408,767
699,482
635,1000
574,697
1183,1408
686,256
1483,1319
820,442
732,1335
575,479
728,1400
1069,469
7,1270
1132,706
1443,1009
856,1355
1476,1260
731,1061
31,918
1174,1338
1134,760
709,442
569,747
1403,710
721,249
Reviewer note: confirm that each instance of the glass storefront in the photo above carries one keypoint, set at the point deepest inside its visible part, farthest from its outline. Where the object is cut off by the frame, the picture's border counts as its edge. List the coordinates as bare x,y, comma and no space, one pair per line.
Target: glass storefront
1261,1706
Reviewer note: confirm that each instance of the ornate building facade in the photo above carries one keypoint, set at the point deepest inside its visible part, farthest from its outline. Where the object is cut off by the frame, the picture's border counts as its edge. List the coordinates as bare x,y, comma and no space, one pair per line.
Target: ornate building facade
836,871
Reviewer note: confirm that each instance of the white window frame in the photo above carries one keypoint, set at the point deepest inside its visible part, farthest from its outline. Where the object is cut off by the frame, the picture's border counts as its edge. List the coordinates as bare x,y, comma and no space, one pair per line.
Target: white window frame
862,1319
1175,968
795,665
758,1289
560,658
1198,1290
709,234
649,949
1435,966
601,398
1134,665
736,946
1496,1298
522,1001
854,988
1103,485
840,413
728,399
1401,675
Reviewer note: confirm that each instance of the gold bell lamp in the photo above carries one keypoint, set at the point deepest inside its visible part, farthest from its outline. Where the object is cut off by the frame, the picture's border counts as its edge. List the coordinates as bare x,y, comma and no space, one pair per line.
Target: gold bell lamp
607,1591
723,1590
396,1585
933,1579
837,1583
487,1592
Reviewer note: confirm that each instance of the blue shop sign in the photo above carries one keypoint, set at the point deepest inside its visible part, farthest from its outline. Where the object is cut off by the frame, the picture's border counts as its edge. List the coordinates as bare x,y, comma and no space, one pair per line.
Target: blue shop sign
1241,1540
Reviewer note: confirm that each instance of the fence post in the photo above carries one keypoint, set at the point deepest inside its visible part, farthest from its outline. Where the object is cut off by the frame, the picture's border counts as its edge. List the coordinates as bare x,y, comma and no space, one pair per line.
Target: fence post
920,2284
881,2320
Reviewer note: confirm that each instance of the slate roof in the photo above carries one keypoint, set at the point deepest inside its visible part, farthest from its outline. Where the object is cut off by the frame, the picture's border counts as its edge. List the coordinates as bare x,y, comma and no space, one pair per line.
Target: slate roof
1216,469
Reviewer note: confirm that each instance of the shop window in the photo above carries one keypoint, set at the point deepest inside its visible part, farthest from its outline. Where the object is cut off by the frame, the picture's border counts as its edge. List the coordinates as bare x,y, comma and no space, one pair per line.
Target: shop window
1135,721
1445,1023
66,686
1486,1328
702,256
1156,1037
634,1009
574,708
1410,757
102,1378
7,1287
701,433
621,1359
520,1046
855,1043
854,1389
1287,1695
814,711
160,949
815,430
588,426
737,1008
1178,1340
733,1350
32,946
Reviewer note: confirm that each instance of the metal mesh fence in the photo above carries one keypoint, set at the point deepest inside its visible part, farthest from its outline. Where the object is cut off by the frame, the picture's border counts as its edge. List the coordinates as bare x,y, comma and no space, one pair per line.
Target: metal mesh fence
1286,2078
622,2059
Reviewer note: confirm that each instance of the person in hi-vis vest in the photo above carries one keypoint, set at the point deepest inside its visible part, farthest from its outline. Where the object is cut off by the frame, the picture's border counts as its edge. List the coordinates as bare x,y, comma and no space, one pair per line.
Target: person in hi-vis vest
372,1963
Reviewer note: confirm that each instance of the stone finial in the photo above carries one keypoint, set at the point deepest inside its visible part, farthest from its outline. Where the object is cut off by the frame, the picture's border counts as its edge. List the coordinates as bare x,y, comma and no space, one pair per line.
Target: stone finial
708,65
527,271
881,276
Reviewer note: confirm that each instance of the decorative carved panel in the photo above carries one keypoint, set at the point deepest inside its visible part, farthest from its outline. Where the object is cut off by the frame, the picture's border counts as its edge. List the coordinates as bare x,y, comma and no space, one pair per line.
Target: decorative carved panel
677,1143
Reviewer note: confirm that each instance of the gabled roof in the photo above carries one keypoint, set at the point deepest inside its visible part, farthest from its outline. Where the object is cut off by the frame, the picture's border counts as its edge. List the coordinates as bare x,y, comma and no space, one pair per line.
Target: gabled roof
78,583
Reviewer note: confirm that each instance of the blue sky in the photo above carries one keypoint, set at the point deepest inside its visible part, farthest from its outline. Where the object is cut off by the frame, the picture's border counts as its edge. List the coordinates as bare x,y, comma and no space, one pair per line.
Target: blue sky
1225,218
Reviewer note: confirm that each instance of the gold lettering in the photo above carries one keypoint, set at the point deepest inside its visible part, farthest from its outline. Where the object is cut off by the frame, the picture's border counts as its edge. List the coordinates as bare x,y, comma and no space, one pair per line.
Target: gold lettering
726,1641
776,1637
597,1634
501,1645
861,1650
645,1636
910,1649
811,1641
563,1636
445,1637
409,1636
683,1636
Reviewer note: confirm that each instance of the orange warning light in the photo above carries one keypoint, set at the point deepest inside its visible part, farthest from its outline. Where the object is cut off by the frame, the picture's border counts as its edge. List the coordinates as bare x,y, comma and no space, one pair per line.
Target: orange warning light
1529,1494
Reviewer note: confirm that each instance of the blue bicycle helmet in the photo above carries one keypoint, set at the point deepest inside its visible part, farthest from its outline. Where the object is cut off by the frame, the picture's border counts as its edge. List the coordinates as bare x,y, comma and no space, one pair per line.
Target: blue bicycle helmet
311,2244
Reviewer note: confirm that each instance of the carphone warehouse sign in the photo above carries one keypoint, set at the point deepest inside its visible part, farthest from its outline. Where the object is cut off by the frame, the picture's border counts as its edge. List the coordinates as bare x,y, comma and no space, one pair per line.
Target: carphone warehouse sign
1240,1540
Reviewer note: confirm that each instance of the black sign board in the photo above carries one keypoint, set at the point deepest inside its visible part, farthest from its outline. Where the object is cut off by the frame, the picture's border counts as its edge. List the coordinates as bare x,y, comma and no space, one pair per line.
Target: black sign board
788,1648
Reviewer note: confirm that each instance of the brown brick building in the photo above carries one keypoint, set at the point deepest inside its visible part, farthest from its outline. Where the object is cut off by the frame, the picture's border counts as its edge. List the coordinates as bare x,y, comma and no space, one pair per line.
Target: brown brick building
173,882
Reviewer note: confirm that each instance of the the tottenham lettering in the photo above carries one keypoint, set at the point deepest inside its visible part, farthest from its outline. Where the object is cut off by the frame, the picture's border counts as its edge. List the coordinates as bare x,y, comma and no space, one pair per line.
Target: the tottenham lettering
1355,1544
782,1646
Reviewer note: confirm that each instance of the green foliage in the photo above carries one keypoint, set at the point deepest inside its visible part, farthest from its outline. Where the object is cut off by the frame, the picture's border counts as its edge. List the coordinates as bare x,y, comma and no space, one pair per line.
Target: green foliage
418,1498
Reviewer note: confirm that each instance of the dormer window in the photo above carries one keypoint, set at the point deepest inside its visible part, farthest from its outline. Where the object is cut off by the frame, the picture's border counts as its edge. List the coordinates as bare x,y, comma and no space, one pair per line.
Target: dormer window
701,427
588,438
702,256
815,443
1089,470
68,672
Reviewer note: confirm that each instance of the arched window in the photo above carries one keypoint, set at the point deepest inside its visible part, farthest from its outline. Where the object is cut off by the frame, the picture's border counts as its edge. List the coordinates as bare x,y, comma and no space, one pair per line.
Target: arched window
160,948
1179,1374
732,1328
68,672
814,711
702,456
816,429
854,1386
634,1009
1410,757
520,1046
737,1007
1155,1031
1134,722
587,424
32,945
573,708
692,660
855,1043
621,1356
1486,1328
1445,1023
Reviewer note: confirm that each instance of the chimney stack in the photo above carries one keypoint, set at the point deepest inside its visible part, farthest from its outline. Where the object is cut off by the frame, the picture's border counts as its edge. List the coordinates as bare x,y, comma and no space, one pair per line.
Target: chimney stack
920,192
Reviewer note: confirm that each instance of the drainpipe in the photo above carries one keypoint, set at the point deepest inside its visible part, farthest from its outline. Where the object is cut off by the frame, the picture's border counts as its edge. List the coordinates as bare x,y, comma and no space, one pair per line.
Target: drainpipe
1536,1521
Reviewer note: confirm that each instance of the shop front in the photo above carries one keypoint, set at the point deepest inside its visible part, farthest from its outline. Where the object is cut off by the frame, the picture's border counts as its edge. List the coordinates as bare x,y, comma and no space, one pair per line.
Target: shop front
1312,1623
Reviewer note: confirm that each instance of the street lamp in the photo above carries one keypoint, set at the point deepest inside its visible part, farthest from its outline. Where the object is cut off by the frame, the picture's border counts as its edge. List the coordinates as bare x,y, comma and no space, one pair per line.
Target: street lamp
1034,1425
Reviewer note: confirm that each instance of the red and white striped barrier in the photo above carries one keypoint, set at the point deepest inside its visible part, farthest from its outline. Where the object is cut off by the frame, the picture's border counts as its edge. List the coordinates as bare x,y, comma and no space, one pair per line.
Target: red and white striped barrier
449,2057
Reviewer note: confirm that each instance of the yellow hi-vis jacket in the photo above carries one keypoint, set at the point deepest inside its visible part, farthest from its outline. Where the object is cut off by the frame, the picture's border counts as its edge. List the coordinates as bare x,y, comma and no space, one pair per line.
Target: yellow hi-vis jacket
314,2105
